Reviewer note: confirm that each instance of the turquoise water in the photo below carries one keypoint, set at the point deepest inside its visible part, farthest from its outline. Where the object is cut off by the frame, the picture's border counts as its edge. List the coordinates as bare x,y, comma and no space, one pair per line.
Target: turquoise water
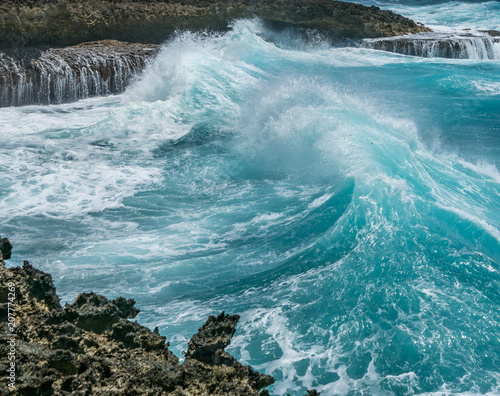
344,201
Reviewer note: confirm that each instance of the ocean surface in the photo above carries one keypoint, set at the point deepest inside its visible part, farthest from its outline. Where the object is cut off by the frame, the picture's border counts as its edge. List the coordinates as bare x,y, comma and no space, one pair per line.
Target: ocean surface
344,201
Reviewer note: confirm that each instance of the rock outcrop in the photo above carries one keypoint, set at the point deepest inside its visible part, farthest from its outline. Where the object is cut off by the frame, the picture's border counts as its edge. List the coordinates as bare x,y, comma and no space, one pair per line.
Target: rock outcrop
90,347
70,22
56,75
457,45
5,249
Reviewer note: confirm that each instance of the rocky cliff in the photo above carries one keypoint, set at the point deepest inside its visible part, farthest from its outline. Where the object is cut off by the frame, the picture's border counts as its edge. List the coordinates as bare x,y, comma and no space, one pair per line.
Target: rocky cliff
70,22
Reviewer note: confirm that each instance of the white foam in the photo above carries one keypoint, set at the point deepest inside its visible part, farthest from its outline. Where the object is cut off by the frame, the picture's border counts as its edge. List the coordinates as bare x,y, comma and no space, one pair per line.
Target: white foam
488,87
452,14
482,168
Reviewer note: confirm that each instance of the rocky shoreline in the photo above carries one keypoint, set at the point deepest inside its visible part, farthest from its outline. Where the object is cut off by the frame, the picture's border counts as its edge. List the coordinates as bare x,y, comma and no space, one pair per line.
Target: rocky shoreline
70,22
90,347
55,51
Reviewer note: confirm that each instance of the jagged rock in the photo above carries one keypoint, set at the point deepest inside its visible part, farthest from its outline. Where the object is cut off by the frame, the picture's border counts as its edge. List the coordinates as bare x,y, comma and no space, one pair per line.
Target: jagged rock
5,249
207,363
38,286
90,348
96,313
212,338
69,22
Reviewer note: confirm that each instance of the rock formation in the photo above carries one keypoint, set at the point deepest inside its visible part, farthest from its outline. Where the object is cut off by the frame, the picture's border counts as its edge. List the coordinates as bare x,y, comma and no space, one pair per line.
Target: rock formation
90,348
5,249
70,22
56,75
464,45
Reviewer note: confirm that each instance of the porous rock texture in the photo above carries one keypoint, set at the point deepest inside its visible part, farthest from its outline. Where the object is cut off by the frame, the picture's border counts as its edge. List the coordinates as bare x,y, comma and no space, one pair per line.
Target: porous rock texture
91,348
69,22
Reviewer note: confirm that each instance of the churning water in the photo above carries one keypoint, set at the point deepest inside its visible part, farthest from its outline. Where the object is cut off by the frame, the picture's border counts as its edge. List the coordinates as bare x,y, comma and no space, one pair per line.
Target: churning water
344,201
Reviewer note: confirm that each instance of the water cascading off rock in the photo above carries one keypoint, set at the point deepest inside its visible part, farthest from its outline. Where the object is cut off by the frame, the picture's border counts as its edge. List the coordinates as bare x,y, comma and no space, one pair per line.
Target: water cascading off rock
465,45
57,75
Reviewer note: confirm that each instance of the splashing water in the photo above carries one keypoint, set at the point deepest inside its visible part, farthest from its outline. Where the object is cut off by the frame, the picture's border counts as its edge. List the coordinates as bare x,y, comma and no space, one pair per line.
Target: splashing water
345,202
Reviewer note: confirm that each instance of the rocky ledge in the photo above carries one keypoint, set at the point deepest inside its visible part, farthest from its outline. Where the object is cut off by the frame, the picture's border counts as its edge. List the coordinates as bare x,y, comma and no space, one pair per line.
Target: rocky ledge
464,44
90,348
56,75
70,22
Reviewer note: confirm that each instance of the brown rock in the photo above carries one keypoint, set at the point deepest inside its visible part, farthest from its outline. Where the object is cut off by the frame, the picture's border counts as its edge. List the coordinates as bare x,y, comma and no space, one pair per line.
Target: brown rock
69,22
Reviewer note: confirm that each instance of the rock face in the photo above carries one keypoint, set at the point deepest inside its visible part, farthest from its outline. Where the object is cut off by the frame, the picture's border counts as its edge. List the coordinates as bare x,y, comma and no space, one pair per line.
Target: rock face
69,22
465,45
56,75
90,348
5,249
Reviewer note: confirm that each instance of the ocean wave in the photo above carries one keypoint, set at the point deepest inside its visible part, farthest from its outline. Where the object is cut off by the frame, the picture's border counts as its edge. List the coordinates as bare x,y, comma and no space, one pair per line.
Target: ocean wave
329,196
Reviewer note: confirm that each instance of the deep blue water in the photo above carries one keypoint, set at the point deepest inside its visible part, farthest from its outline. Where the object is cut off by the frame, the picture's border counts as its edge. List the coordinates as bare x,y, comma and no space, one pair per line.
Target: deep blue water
344,201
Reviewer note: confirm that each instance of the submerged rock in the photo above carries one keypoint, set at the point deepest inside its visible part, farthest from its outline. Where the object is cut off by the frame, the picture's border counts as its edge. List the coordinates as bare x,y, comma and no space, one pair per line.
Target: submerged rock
90,348
56,75
69,22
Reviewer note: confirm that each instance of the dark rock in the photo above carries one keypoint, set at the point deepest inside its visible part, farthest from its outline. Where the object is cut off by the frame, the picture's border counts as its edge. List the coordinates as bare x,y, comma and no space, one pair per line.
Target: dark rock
492,33
39,287
90,348
5,249
207,362
62,361
96,313
212,338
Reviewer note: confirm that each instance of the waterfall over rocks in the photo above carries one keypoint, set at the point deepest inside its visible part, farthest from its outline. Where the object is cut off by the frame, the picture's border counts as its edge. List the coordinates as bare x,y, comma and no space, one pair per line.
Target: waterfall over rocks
56,75
463,45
